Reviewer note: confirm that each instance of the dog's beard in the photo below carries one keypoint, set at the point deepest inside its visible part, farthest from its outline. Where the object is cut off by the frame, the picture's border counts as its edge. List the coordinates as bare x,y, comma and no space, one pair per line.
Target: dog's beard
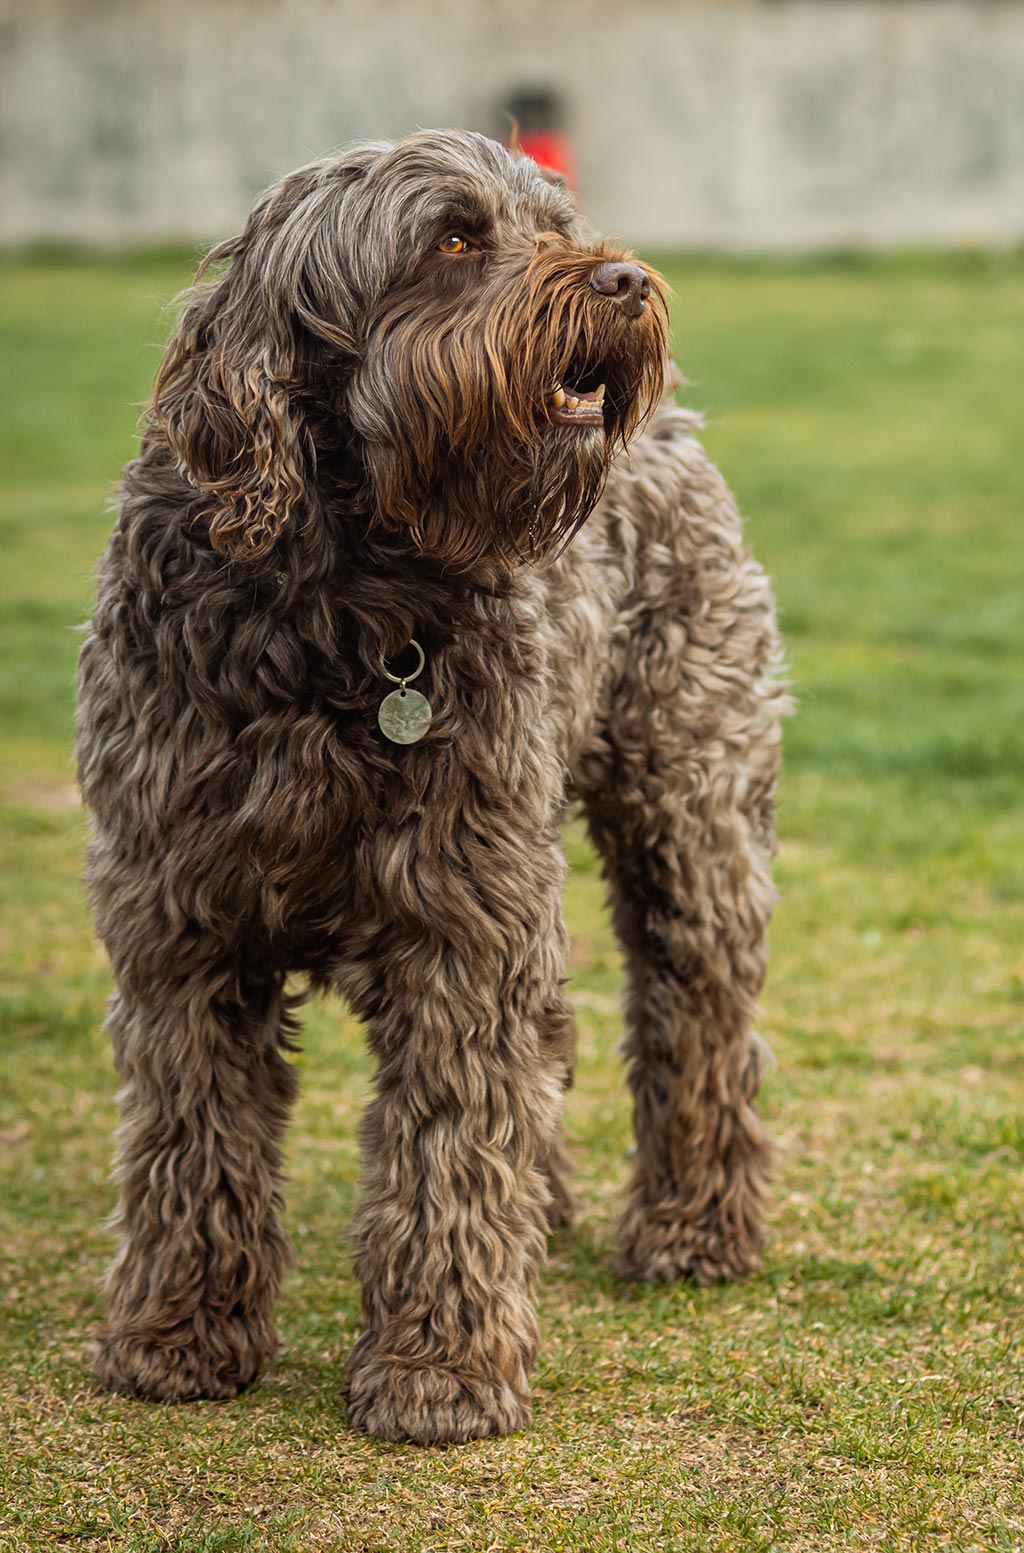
513,512
511,498
569,472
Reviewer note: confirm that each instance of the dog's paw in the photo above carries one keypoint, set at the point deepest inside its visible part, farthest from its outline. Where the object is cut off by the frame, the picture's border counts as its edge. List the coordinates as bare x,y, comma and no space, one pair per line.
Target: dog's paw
155,1372
561,1212
760,1064
563,1206
656,1248
428,1404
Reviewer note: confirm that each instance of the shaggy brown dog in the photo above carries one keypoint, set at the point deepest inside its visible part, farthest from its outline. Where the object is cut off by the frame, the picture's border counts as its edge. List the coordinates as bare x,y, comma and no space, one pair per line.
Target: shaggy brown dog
376,428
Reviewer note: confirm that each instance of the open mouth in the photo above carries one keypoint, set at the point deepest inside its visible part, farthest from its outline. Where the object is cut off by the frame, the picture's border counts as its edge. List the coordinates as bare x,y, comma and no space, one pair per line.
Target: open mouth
568,406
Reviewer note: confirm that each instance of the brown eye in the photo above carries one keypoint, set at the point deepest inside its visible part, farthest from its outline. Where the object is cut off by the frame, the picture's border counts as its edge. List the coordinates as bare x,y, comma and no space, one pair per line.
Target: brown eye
453,244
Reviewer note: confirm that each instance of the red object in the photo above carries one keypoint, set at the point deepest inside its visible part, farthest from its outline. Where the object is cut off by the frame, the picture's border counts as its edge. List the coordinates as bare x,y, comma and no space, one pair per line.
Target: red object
549,148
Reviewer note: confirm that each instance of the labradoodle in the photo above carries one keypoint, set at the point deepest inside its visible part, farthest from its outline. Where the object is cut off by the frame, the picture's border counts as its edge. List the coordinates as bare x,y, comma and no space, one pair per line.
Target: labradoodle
417,552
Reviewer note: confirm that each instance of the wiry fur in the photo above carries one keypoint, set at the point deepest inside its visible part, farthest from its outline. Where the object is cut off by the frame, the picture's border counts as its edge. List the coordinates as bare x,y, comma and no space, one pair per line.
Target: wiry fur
346,451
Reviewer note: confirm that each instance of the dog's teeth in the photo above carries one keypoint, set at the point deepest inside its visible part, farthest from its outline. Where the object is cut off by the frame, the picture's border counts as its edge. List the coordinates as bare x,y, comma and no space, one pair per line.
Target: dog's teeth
558,398
572,402
599,395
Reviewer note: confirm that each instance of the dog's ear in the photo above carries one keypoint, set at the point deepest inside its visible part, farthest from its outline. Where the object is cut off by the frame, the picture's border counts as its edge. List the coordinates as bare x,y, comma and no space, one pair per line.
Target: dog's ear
224,403
228,397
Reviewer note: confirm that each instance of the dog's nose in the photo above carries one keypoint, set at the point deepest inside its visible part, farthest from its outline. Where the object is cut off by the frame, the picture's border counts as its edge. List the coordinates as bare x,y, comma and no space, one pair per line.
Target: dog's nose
626,284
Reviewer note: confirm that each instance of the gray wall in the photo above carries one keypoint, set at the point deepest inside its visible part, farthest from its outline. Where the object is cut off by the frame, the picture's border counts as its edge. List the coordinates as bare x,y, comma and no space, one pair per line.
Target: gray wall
736,124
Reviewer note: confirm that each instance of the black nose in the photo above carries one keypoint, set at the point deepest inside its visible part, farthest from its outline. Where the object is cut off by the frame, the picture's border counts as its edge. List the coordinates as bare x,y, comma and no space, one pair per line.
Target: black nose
625,284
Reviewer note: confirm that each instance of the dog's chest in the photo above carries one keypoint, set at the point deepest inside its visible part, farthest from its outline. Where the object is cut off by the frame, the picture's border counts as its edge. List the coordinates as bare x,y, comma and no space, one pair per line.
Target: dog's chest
492,688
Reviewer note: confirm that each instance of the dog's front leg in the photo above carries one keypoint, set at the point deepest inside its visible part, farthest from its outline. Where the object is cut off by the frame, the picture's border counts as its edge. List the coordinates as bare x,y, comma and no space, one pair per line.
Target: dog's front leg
468,1025
205,1098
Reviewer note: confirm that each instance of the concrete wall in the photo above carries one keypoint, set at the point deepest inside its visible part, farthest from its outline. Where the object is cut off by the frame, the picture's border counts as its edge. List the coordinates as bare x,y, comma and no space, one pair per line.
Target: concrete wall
728,123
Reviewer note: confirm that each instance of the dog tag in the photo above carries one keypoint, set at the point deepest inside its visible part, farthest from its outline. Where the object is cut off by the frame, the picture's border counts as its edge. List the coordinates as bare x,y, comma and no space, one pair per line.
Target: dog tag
404,716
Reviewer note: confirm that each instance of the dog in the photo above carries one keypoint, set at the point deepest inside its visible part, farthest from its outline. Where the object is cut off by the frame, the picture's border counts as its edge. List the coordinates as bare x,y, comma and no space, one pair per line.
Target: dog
418,551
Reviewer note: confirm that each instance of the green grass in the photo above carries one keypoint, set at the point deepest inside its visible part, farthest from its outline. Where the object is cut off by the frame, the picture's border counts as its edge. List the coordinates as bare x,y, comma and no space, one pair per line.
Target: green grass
867,1391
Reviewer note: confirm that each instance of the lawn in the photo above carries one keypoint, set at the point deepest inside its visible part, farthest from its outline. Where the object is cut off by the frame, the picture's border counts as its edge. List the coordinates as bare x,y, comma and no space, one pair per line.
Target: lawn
867,1390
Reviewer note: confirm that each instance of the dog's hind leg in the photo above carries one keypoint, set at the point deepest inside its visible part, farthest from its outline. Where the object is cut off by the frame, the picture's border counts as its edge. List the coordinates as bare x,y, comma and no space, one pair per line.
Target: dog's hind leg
678,787
205,1097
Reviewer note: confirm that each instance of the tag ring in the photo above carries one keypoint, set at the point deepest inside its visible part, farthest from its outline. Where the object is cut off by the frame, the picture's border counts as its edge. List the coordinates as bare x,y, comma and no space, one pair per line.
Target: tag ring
403,679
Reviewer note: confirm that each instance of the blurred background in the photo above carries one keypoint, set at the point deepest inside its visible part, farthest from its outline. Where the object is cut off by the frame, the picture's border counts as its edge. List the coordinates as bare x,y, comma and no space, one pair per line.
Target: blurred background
835,191
737,124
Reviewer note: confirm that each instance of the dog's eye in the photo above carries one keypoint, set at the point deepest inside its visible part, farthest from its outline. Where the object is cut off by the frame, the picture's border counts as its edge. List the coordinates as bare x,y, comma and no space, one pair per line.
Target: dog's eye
453,244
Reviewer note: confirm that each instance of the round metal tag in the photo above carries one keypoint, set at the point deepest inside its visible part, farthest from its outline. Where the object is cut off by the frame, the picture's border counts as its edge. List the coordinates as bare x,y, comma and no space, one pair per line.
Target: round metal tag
404,716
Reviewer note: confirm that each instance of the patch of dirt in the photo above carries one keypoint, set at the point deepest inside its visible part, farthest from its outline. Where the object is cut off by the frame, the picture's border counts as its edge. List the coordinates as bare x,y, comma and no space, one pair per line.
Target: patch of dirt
54,797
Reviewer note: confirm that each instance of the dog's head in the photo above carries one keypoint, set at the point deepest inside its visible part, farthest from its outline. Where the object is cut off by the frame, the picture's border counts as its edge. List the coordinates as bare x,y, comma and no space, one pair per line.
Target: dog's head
421,330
